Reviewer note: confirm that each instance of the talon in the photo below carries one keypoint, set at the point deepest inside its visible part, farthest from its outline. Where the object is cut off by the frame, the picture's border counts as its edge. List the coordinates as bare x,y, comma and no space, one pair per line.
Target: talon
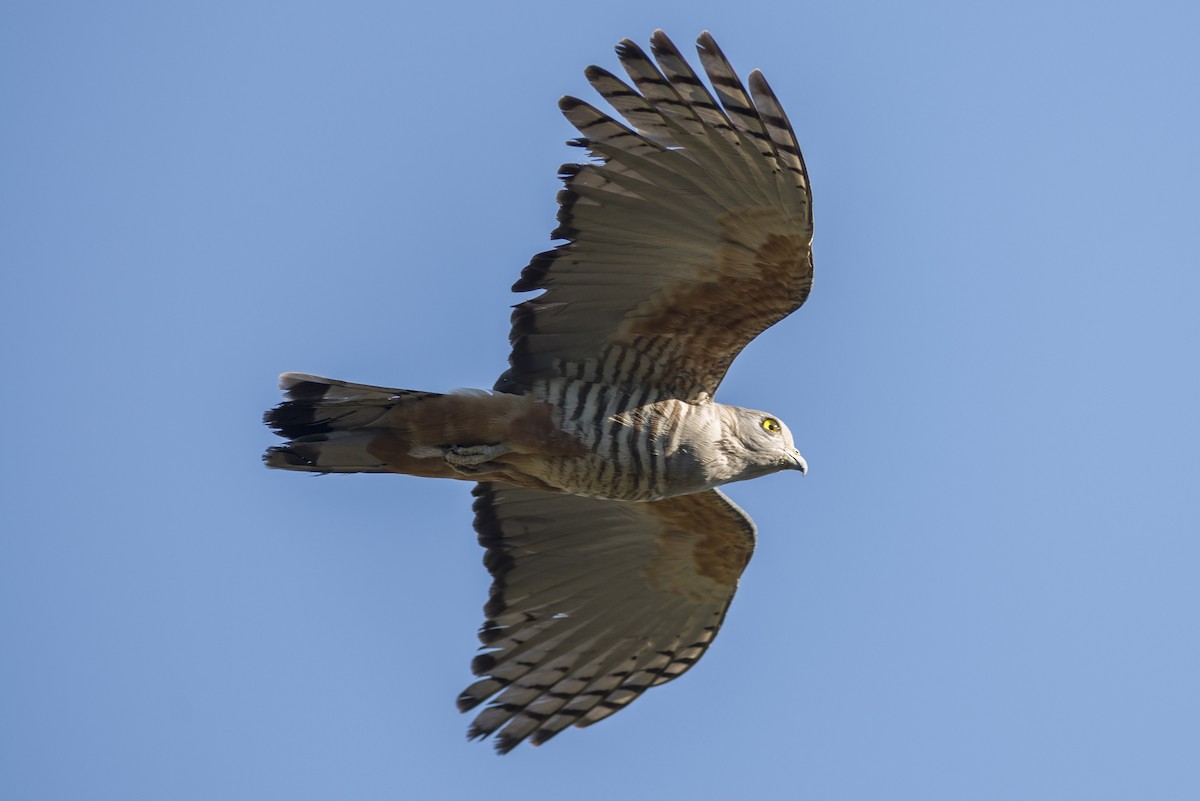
461,458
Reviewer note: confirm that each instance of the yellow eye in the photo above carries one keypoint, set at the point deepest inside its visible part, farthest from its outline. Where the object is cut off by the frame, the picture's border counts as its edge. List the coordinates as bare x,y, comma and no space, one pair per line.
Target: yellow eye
771,424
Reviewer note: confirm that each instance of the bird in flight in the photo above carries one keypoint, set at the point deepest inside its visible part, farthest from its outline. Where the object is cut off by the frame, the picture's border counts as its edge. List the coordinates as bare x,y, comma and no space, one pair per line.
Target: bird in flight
598,454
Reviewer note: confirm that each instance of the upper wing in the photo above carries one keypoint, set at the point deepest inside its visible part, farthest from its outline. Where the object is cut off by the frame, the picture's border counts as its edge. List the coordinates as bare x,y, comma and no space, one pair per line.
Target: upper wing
594,601
689,235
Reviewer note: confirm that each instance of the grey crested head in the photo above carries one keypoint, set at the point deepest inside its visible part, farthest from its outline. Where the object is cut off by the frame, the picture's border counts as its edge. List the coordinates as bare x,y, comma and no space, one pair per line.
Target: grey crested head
758,443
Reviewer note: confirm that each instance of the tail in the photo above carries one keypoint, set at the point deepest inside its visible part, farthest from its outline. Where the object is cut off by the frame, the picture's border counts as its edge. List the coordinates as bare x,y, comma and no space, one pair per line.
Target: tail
339,427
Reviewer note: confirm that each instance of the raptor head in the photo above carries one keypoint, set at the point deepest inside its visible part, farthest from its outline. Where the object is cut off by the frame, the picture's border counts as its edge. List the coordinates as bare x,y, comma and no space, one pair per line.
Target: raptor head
761,443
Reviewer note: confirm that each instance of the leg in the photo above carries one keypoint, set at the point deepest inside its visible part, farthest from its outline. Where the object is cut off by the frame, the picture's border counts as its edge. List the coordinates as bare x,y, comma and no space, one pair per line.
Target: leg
474,458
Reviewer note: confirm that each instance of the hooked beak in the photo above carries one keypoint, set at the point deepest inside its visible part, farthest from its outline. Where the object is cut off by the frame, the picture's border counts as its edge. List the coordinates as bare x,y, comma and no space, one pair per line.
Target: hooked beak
798,463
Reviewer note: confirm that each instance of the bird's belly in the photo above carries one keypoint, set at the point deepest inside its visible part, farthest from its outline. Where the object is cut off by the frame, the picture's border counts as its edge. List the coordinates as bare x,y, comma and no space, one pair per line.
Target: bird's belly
614,474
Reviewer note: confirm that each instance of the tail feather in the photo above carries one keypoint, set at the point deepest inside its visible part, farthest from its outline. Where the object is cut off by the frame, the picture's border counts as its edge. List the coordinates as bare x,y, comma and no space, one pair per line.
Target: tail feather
340,427
334,426
336,452
318,405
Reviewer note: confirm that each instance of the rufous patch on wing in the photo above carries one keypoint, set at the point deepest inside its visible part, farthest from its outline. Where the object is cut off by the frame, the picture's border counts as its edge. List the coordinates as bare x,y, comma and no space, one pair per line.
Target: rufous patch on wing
703,546
762,271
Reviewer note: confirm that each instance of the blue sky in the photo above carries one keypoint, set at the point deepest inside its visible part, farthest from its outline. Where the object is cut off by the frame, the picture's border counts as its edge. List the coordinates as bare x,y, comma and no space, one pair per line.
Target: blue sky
986,587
